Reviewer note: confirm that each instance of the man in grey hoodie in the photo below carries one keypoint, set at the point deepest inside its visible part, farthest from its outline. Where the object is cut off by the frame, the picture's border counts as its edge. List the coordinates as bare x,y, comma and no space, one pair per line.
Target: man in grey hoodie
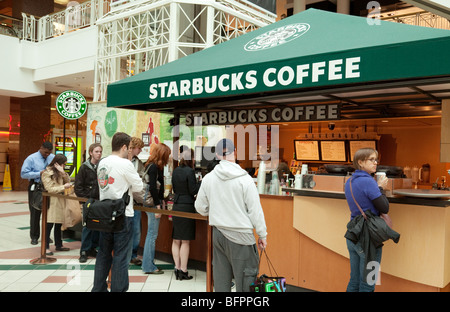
228,195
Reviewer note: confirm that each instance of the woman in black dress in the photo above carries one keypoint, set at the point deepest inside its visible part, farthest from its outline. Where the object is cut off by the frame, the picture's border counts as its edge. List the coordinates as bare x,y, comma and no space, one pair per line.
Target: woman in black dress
185,187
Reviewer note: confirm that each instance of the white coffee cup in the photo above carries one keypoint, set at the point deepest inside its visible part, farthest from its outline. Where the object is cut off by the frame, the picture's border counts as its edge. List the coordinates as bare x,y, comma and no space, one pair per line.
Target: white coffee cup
379,175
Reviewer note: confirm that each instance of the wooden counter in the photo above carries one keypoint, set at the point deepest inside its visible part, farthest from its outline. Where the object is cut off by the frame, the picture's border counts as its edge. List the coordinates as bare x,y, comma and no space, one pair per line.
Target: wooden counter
306,243
198,246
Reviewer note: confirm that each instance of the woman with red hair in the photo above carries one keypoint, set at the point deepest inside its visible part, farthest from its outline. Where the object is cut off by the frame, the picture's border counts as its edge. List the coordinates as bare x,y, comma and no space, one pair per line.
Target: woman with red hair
154,177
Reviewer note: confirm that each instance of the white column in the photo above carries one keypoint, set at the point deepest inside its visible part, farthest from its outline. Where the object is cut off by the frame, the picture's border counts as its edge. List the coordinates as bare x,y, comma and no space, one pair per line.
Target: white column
210,26
343,6
173,31
299,6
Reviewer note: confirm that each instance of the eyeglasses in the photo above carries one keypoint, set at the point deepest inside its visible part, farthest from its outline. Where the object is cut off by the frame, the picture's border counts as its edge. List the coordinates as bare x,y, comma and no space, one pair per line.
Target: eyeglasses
373,160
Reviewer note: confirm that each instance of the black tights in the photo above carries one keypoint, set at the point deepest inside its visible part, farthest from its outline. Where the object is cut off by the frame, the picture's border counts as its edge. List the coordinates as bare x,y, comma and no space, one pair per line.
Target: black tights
56,232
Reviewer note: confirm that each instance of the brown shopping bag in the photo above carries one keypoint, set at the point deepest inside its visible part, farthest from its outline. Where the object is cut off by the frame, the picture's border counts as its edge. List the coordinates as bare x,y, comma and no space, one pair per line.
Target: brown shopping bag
72,213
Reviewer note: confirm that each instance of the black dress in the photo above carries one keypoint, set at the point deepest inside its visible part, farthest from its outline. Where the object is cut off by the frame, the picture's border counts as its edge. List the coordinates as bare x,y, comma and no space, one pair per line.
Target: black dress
185,187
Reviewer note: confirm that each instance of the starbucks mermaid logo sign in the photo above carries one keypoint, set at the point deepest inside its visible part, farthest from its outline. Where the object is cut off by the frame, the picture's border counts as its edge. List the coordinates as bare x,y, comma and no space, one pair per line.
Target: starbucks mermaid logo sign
276,37
71,104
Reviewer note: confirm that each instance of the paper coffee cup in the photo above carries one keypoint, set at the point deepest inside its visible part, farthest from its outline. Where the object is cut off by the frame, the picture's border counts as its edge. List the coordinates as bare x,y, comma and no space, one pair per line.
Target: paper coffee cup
379,175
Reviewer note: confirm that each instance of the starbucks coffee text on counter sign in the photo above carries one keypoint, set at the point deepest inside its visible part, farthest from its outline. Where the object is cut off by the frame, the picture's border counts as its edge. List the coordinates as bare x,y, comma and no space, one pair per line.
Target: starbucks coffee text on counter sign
304,74
268,115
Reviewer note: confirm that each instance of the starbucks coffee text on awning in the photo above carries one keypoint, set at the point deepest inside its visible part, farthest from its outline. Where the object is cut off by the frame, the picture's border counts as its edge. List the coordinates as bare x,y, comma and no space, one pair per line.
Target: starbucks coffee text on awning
286,76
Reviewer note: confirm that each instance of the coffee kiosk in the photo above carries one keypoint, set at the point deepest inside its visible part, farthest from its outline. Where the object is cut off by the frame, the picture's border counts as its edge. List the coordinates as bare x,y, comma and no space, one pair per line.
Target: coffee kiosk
328,84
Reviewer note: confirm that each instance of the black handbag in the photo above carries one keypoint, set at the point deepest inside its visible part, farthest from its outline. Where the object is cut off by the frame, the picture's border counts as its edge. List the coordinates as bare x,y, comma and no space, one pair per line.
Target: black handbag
106,215
36,196
266,283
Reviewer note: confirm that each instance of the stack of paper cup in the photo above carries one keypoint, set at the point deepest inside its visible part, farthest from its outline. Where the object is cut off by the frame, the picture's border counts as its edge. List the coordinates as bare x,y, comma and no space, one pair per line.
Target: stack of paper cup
261,179
304,169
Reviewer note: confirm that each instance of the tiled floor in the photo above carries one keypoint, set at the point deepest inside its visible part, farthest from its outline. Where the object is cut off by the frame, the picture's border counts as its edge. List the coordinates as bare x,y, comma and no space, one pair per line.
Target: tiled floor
66,274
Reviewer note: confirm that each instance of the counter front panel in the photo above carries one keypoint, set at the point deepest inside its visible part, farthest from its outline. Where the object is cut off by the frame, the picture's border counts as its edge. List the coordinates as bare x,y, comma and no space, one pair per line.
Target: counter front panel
421,255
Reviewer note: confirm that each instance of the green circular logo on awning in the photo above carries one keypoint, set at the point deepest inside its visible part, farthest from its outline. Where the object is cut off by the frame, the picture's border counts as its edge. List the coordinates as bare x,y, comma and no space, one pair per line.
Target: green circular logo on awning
277,37
71,104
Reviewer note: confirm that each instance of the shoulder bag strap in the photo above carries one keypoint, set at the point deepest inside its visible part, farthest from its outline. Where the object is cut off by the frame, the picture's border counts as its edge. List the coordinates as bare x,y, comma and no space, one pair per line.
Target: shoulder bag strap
146,173
126,197
359,207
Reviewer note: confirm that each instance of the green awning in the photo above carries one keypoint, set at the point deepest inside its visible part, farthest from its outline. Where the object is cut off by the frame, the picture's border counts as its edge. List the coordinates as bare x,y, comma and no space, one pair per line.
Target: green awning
312,49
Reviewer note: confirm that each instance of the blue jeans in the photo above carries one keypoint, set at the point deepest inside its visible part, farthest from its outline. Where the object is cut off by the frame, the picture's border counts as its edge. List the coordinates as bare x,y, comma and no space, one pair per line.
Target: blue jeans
148,257
136,233
120,244
89,239
358,282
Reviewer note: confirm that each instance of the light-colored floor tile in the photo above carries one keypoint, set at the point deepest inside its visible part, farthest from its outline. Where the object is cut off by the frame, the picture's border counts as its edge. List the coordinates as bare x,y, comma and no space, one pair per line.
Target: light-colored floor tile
12,276
48,287
19,287
36,276
135,287
66,274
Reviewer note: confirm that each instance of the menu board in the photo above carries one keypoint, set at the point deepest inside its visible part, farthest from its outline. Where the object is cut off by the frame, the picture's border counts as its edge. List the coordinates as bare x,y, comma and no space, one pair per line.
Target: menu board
333,150
356,145
307,150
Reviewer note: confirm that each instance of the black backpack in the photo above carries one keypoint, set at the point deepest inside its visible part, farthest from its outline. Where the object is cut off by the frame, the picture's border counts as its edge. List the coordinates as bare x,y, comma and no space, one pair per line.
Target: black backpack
106,215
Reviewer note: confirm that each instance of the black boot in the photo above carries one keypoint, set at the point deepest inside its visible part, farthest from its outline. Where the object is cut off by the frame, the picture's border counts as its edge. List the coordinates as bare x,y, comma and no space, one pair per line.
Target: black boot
83,257
92,253
177,273
184,275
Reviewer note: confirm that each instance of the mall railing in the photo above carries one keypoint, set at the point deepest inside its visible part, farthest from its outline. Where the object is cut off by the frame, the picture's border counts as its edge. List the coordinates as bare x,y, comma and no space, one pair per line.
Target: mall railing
73,18
86,14
425,19
10,26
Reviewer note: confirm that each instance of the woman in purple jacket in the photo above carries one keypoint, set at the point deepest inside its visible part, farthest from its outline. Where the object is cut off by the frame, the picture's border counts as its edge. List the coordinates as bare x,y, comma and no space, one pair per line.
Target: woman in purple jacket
369,195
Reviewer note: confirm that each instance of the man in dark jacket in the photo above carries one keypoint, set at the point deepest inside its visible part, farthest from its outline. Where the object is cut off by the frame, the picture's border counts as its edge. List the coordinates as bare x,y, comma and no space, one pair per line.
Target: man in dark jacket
86,185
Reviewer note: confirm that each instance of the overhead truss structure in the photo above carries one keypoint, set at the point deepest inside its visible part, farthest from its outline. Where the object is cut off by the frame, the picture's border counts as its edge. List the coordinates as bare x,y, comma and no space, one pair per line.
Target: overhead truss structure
143,34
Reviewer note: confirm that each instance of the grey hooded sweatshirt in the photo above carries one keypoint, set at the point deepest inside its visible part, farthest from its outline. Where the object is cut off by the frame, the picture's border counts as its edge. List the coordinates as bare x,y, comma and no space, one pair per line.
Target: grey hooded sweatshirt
228,195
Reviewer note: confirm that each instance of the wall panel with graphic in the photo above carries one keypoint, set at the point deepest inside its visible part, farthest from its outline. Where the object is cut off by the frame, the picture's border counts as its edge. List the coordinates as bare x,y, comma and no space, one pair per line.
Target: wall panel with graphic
104,122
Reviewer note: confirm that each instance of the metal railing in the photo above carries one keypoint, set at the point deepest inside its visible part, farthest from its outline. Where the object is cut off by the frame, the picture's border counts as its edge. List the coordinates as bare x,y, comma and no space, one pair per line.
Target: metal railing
10,26
71,19
425,19
87,13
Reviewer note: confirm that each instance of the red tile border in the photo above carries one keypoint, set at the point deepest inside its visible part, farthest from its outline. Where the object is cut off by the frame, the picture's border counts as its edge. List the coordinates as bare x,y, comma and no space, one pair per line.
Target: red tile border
137,279
13,214
35,252
58,279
